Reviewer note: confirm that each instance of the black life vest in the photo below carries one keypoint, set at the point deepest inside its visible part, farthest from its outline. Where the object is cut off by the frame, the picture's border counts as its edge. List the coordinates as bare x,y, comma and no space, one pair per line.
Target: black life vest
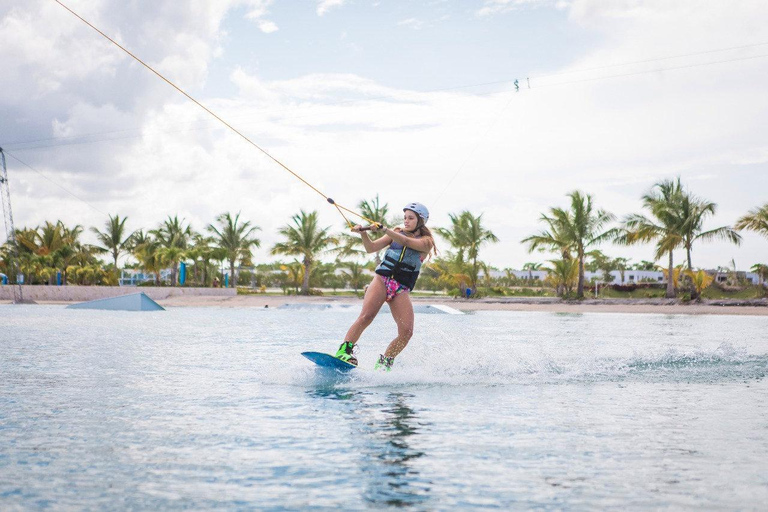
402,264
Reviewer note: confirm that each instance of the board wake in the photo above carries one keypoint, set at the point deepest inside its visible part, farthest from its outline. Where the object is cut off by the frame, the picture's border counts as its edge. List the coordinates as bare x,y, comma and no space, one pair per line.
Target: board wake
328,361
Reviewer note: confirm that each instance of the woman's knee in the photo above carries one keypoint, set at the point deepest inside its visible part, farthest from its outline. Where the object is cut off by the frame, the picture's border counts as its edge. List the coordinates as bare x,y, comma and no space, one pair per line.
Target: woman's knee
405,332
366,317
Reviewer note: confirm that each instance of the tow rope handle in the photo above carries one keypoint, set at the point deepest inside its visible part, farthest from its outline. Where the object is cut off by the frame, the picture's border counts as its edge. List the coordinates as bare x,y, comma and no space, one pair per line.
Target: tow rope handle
375,225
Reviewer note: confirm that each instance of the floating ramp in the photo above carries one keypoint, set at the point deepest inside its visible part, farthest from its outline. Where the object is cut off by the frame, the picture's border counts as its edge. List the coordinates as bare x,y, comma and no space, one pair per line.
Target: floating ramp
132,302
428,309
314,306
436,309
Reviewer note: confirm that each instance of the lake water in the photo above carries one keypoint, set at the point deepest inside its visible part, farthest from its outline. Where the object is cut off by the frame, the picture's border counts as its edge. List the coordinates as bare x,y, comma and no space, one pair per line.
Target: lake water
215,408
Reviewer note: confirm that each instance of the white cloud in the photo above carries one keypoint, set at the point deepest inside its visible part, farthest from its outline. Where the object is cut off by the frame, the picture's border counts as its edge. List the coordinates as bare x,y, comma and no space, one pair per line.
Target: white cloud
267,26
258,10
411,23
514,155
491,7
323,6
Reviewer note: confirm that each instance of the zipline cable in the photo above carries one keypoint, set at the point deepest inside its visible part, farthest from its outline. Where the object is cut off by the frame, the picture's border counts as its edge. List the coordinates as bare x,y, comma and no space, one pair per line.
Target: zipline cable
496,118
620,64
672,68
15,144
328,199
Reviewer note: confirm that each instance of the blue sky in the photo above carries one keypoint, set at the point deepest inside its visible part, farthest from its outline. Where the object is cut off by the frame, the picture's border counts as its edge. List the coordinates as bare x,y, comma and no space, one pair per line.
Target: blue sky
410,45
356,96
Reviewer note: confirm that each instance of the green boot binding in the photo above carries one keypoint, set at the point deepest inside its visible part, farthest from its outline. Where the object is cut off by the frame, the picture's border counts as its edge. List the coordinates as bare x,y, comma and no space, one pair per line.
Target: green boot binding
345,353
384,364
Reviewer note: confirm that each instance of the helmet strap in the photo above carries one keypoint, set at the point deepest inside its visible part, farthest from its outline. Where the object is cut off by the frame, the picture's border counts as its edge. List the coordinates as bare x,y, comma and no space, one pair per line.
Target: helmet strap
419,224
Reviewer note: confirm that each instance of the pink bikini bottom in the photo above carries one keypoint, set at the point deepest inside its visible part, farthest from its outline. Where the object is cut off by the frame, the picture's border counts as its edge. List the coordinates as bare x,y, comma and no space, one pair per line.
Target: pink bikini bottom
393,287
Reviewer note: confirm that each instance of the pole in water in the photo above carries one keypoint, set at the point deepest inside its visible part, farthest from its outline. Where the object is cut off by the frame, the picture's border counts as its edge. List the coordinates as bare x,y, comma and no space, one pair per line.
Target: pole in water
10,231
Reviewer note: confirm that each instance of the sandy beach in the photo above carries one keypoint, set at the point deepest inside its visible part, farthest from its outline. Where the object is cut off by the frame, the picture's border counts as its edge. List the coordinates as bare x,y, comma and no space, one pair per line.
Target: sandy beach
658,306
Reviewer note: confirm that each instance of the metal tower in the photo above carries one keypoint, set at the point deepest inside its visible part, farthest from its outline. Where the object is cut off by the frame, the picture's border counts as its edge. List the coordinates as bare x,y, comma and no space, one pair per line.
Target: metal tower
10,230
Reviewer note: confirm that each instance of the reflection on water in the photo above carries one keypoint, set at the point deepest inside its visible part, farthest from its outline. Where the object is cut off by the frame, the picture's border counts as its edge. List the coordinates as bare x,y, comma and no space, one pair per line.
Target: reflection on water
390,459
384,435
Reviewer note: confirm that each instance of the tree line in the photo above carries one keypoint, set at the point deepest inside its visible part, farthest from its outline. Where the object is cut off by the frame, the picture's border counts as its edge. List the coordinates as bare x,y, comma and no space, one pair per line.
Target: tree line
673,219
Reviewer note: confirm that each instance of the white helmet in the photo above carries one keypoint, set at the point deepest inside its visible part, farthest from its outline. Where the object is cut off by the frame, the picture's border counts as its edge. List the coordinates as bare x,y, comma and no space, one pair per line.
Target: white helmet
419,209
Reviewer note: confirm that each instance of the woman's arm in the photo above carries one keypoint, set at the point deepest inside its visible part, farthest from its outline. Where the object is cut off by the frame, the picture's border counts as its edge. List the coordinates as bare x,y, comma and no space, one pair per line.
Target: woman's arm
417,244
372,245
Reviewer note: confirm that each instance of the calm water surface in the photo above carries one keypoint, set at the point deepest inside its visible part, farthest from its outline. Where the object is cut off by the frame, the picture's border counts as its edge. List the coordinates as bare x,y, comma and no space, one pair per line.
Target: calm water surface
215,408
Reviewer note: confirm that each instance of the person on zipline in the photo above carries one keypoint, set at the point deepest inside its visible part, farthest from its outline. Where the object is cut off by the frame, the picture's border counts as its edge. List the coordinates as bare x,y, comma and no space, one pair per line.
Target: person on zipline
407,248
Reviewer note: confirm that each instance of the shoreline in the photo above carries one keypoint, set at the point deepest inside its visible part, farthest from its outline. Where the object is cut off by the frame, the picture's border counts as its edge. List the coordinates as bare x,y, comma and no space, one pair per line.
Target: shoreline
488,304
755,307
662,306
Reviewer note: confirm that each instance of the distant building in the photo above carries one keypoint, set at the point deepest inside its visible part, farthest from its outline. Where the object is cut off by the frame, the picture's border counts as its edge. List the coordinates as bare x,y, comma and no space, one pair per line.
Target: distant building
630,276
724,277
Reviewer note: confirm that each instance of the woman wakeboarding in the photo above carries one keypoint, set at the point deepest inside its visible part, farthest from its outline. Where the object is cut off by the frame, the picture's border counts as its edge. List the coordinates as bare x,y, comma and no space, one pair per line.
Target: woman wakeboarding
407,248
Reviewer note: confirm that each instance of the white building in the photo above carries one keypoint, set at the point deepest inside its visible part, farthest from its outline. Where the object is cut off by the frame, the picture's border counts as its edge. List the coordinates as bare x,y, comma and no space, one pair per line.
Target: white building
630,276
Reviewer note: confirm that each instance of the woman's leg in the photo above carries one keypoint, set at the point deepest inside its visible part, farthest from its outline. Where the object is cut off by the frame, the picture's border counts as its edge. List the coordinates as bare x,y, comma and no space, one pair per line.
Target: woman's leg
402,312
372,302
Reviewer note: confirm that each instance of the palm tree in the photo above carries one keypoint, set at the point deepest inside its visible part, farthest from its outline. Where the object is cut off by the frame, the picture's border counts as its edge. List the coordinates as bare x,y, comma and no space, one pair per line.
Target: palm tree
663,202
573,230
562,275
354,273
50,248
644,265
599,261
148,252
352,245
172,255
50,237
756,220
467,235
509,277
324,274
676,273
113,238
173,234
375,211
622,265
531,267
236,239
700,280
294,273
693,212
200,254
306,239
456,237
138,238
450,273
219,255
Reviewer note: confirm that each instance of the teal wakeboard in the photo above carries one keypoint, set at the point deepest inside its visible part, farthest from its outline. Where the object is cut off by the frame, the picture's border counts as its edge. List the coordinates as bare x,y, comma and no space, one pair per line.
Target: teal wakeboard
328,361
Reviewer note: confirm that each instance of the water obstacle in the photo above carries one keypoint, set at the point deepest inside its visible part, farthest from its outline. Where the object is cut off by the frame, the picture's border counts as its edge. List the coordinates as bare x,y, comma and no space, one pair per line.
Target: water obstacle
133,302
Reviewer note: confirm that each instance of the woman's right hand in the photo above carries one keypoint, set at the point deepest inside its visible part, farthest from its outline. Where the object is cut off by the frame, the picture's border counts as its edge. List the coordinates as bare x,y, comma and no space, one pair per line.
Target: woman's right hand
357,229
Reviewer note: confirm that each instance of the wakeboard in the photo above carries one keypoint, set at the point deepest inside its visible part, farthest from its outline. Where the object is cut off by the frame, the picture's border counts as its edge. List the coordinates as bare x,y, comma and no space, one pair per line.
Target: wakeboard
328,361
